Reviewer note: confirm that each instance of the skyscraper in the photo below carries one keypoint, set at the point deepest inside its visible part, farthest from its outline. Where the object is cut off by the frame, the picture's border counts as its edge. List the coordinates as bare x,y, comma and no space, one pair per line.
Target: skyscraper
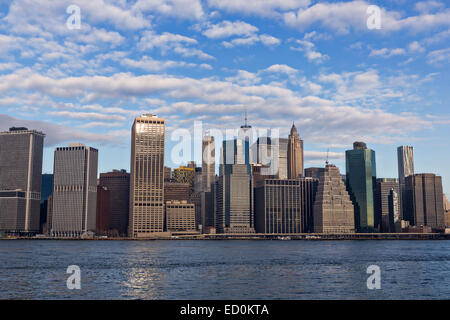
208,162
234,200
295,154
147,176
424,200
74,190
333,209
387,207
46,192
405,157
118,184
284,206
361,183
20,180
273,153
103,213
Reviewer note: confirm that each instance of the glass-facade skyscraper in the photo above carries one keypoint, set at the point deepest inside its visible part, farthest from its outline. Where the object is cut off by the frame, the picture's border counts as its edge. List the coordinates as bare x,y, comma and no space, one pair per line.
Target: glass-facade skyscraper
405,156
361,183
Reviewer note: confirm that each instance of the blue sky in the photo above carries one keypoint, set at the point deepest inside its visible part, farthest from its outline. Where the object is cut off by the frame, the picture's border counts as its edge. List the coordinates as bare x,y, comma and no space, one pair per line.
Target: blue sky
315,63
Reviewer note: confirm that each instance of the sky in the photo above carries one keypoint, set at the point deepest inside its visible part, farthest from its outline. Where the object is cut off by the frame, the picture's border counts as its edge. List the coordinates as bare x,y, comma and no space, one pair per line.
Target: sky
337,69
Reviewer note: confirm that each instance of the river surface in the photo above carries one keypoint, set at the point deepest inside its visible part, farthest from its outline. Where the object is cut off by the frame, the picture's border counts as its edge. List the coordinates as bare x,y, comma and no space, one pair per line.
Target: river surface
225,269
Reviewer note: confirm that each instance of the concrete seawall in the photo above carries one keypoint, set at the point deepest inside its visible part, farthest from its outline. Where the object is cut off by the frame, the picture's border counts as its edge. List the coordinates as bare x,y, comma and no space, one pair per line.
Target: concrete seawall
303,236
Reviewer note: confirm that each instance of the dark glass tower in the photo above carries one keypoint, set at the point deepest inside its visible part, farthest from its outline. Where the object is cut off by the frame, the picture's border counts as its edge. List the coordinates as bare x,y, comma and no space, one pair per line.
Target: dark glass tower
361,183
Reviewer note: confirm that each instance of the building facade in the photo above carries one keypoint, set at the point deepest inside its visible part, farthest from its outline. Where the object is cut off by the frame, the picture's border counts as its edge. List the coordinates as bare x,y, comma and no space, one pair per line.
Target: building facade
180,216
272,153
146,215
103,211
208,163
285,205
176,191
333,208
118,184
361,183
387,206
295,161
184,175
234,200
20,180
424,200
314,172
405,158
74,190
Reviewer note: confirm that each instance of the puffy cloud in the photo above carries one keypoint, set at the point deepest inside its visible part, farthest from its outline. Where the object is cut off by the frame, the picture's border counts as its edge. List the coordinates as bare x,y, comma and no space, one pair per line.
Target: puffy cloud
310,52
439,56
227,29
265,39
258,7
387,53
341,17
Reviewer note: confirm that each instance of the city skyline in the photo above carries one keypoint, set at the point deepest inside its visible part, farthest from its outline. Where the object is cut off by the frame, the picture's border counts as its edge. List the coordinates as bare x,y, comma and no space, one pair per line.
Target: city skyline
317,64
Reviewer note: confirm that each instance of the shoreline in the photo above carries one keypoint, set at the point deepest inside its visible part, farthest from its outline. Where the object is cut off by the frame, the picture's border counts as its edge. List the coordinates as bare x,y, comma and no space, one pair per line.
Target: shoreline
279,237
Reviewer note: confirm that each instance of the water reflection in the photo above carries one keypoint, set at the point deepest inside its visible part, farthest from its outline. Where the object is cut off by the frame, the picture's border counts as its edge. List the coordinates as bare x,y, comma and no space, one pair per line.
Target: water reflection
225,269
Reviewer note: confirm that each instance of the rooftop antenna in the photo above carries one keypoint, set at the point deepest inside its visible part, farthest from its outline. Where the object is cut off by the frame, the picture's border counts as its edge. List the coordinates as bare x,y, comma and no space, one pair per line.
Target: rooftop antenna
328,151
245,126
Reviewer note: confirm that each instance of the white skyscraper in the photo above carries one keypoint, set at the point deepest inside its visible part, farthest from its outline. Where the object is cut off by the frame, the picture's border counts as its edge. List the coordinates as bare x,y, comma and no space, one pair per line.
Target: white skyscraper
147,176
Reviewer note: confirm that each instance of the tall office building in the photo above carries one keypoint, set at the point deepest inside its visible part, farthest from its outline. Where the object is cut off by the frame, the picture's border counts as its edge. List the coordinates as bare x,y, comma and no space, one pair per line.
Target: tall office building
273,153
74,190
295,154
361,183
284,206
234,200
147,176
118,184
46,192
333,209
20,180
405,157
103,214
424,200
387,207
208,162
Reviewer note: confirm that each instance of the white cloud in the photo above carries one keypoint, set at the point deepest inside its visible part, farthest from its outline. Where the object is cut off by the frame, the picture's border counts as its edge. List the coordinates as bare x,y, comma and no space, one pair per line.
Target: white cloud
341,17
187,9
282,68
227,29
439,56
386,53
258,7
310,52
265,39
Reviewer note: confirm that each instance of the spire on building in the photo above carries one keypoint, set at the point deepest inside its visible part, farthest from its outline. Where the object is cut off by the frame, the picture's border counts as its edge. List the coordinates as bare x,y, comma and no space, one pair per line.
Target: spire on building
245,126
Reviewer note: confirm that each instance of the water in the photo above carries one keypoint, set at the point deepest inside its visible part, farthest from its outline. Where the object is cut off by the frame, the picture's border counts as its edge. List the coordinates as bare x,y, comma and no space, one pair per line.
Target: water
224,269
